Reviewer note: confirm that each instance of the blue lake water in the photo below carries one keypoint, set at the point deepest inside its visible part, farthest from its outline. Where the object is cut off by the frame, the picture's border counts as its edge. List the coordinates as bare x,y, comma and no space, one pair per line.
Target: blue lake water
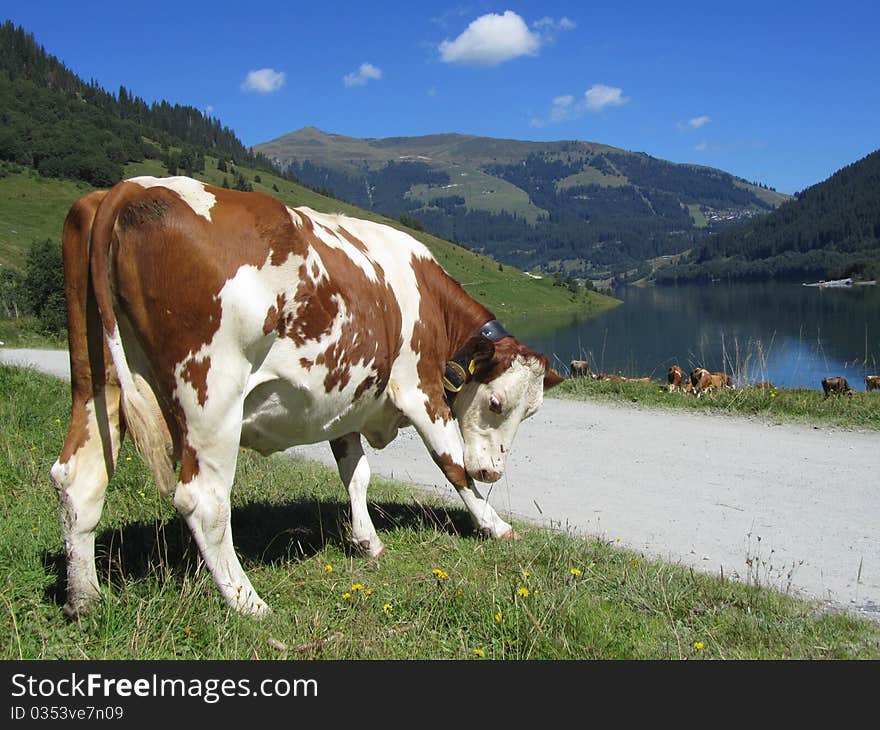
788,334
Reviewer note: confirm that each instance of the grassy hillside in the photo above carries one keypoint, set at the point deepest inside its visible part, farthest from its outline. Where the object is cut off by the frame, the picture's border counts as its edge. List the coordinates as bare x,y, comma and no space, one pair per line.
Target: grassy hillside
33,207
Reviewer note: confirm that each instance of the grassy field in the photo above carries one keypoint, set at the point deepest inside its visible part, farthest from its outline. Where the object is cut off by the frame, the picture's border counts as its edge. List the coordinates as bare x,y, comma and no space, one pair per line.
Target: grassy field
439,593
33,208
793,405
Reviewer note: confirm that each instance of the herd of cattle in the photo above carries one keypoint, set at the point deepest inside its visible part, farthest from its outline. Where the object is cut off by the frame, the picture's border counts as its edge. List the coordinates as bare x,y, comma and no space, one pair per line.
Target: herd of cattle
701,380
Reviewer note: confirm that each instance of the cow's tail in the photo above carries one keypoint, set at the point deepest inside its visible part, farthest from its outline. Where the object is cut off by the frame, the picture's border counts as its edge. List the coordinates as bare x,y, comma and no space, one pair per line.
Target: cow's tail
143,416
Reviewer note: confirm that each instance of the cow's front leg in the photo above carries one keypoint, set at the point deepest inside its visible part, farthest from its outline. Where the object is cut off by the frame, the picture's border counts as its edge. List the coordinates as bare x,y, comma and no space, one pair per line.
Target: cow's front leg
354,470
444,443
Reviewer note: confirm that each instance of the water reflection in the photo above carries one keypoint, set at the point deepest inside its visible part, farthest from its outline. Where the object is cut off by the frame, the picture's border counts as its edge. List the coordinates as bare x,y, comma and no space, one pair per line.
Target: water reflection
788,334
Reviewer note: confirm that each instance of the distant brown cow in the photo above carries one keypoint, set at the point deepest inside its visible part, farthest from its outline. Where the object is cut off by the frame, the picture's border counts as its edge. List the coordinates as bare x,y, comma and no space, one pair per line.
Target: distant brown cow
675,377
605,376
836,386
726,380
872,382
702,381
579,368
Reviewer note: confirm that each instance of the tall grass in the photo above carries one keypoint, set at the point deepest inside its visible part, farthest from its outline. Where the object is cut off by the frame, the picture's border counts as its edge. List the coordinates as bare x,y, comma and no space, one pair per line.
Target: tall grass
439,593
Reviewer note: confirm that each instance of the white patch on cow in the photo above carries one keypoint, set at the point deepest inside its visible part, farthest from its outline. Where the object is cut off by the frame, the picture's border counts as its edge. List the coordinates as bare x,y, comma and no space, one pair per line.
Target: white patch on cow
192,192
488,435
393,251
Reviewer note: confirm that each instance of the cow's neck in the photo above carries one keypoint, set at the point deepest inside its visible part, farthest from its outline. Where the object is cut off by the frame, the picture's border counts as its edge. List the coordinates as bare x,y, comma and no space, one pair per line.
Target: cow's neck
463,318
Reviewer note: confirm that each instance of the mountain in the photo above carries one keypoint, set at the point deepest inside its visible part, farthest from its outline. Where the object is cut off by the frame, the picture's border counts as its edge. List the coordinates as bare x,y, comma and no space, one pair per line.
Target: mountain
830,231
573,206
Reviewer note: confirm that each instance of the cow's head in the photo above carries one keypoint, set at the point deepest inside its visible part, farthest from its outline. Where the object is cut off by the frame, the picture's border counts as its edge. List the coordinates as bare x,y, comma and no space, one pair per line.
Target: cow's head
506,386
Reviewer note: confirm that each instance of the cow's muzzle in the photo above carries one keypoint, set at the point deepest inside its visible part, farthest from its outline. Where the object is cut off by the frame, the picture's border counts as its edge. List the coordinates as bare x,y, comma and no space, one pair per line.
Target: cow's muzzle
486,475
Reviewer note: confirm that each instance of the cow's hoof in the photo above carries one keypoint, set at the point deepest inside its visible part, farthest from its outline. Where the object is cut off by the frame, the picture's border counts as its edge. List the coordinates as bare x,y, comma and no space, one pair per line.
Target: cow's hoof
77,608
366,547
511,534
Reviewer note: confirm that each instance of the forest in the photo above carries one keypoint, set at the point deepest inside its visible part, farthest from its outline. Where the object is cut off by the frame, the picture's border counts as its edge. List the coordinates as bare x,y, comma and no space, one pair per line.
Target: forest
830,230
53,121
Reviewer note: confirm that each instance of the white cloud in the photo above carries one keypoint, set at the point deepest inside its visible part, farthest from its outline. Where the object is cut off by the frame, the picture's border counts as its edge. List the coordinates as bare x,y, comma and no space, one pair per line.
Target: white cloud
595,99
549,27
599,96
700,121
701,146
491,39
366,72
263,81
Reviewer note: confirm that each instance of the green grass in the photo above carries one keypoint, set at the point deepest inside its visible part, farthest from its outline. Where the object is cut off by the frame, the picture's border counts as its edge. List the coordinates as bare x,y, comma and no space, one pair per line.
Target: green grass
33,208
792,405
550,595
26,332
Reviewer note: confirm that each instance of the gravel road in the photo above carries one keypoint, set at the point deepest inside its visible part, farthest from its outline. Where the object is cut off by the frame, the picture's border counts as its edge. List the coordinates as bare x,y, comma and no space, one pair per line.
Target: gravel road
793,507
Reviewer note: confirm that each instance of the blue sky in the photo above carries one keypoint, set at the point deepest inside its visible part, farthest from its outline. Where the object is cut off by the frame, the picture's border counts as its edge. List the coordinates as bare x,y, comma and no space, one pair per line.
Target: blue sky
781,92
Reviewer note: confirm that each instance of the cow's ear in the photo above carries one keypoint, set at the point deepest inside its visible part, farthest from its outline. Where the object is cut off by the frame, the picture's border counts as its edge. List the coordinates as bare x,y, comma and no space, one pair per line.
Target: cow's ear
480,351
552,379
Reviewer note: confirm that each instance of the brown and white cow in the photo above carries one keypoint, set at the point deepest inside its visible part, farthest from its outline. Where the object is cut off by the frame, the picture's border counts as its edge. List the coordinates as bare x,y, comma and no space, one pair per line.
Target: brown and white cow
872,382
836,385
201,319
675,378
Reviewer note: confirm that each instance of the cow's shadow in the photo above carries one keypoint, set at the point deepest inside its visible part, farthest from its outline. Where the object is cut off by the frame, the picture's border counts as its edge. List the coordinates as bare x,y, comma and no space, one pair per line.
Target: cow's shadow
264,534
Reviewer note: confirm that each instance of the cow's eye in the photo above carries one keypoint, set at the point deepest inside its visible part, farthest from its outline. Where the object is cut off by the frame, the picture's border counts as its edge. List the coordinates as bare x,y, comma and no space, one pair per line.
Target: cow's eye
494,403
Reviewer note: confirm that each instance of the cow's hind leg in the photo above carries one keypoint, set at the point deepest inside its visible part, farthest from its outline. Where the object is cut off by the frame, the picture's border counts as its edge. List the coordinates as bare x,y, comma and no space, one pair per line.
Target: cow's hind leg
354,470
81,474
202,497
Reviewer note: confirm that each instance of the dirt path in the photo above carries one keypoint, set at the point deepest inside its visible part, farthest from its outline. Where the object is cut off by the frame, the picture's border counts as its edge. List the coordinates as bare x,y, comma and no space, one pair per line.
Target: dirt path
793,507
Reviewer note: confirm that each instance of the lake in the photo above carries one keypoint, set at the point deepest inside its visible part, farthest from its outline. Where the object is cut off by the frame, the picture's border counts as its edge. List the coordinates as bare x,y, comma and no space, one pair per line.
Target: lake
788,334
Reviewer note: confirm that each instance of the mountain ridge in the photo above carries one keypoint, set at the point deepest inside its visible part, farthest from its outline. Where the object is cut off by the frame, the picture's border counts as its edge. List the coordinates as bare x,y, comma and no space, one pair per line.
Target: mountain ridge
574,206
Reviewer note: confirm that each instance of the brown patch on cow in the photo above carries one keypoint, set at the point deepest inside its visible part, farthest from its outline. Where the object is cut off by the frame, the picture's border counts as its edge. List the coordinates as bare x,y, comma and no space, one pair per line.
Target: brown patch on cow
306,363
372,333
275,318
317,308
454,472
353,240
195,372
365,385
189,464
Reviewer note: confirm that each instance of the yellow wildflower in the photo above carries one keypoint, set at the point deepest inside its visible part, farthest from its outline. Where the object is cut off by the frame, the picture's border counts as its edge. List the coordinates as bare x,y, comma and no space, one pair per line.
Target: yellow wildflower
478,652
357,586
368,592
328,568
128,458
440,574
575,571
187,630
523,591
387,608
634,563
698,645
499,617
346,596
